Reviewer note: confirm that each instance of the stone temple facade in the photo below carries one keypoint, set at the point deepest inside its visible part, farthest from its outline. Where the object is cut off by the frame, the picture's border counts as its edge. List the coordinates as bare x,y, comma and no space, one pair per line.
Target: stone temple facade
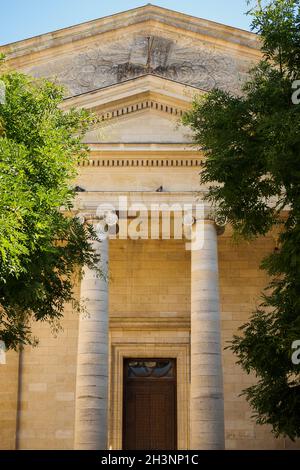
146,367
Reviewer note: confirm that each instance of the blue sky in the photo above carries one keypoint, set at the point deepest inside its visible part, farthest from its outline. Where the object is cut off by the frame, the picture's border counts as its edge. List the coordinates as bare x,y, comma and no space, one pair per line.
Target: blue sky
20,19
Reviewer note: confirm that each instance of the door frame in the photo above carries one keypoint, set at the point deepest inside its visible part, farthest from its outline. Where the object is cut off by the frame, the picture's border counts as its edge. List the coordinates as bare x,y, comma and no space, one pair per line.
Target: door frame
147,351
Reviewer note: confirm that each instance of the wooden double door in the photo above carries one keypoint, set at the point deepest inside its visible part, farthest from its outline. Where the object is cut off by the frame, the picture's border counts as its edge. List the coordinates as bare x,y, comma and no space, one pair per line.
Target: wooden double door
149,416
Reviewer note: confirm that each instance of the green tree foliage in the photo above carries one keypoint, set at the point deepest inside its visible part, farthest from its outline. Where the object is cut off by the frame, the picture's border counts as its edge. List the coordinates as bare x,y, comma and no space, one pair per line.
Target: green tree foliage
41,246
252,167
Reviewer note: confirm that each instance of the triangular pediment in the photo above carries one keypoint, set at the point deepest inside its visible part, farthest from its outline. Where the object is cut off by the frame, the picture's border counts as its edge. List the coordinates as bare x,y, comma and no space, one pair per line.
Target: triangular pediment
114,100
147,109
144,40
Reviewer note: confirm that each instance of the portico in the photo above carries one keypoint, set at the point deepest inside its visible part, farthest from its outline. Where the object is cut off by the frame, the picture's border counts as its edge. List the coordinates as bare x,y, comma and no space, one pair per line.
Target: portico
191,338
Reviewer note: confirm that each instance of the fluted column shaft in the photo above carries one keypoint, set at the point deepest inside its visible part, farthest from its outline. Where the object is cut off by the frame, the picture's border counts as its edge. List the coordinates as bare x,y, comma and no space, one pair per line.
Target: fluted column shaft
207,403
92,359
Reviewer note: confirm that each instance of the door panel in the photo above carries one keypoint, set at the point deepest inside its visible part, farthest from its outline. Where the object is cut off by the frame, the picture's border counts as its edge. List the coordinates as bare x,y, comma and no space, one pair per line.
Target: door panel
149,408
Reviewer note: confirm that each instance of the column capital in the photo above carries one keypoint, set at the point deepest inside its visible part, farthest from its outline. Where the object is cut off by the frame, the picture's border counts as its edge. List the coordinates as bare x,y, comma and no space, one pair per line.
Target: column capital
88,218
211,220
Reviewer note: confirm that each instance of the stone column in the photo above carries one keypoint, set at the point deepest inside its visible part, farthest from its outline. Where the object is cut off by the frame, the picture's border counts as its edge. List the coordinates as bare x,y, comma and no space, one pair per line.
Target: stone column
207,403
92,360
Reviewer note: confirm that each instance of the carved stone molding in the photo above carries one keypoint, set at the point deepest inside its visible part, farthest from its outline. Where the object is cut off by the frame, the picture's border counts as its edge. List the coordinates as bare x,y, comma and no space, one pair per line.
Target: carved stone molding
140,106
145,324
142,162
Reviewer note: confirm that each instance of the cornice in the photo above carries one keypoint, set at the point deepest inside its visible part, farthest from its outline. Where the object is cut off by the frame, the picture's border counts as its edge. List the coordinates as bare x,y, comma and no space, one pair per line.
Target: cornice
133,91
138,149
